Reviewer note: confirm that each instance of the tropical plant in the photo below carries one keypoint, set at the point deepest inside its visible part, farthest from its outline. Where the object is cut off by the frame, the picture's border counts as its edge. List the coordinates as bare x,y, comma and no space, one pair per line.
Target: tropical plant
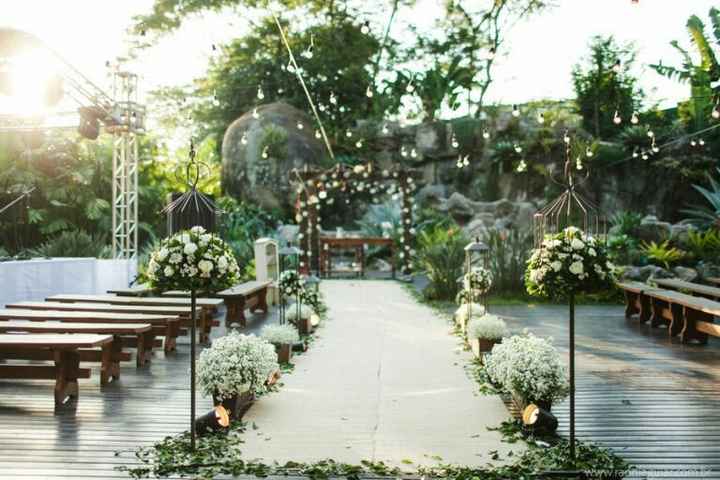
236,364
602,90
530,367
662,253
623,250
703,215
701,76
568,263
626,222
490,327
192,260
440,254
72,243
510,250
703,245
280,334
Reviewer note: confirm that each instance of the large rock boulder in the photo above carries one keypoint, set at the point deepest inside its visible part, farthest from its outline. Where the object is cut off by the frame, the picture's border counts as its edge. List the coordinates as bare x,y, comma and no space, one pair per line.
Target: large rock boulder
264,179
652,230
642,274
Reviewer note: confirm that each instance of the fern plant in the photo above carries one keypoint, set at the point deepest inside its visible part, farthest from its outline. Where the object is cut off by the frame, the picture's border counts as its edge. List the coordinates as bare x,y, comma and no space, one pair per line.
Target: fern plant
704,245
441,254
626,222
662,253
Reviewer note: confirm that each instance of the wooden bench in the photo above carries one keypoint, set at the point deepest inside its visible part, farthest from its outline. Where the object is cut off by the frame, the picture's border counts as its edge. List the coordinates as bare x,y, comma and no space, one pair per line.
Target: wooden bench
251,295
685,315
207,307
167,326
65,349
141,335
136,291
698,289
713,280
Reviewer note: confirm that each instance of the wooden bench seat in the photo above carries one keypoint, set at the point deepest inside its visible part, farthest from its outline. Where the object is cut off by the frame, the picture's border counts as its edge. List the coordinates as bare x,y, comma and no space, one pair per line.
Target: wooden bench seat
65,349
167,326
688,316
698,289
251,295
713,280
135,335
207,307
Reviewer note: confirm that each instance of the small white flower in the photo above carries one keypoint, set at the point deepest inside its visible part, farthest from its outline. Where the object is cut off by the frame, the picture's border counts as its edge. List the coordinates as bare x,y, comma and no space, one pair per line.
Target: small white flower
577,244
190,248
198,230
168,271
576,268
205,266
556,266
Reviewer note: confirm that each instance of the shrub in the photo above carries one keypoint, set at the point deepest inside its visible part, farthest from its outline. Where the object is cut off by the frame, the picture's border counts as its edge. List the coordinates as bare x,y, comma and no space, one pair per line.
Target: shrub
704,215
662,254
625,223
490,327
530,367
623,250
704,245
440,254
510,251
280,334
72,243
236,364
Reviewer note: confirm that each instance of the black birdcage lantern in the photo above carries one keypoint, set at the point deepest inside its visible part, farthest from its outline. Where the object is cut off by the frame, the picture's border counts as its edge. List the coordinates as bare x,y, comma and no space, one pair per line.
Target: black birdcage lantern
192,207
476,254
290,256
570,209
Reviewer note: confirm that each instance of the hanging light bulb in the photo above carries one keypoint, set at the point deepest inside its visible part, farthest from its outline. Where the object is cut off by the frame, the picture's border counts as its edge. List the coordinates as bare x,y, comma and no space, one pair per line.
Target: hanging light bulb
290,67
541,118
308,53
588,152
280,91
348,133
359,143
466,160
385,129
566,138
454,141
578,164
491,53
260,93
693,143
716,112
634,119
522,166
265,152
333,98
300,126
322,194
413,153
486,134
365,29
369,92
318,135
645,156
518,148
403,151
617,67
701,142
255,113
651,134
410,88
516,111
617,119
459,162
635,153
244,139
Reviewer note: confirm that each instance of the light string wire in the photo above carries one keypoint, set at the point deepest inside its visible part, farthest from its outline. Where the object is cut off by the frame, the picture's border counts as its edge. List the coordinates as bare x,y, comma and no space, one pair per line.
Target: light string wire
302,83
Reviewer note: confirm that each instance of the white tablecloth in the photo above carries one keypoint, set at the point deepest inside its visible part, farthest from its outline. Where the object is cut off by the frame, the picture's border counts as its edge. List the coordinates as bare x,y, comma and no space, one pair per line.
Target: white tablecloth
41,278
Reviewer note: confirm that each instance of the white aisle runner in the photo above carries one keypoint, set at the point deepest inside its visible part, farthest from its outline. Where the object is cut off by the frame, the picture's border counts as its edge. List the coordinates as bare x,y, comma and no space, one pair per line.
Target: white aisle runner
384,381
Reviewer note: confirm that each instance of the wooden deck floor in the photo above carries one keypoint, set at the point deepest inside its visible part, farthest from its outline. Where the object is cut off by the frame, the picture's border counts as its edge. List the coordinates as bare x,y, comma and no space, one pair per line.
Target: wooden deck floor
654,401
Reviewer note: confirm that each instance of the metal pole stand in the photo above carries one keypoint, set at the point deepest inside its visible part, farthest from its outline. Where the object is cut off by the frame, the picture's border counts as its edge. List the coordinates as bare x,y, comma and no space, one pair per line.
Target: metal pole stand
193,339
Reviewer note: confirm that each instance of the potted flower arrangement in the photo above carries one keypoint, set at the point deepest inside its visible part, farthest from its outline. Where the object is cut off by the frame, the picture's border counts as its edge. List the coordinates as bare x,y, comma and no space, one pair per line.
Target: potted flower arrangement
283,337
235,369
484,332
530,368
290,284
305,321
476,283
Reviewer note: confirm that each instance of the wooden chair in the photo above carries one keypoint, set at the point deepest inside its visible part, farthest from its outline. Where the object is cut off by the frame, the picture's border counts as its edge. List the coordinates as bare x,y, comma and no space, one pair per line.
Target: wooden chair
65,351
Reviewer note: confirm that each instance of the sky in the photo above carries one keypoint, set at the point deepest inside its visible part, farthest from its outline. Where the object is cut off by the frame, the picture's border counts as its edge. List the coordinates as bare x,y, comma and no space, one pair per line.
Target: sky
537,64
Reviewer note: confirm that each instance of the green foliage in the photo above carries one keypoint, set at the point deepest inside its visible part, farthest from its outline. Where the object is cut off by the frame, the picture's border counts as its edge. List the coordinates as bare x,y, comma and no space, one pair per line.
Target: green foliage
704,215
626,222
441,255
601,91
704,246
73,243
510,251
662,253
623,250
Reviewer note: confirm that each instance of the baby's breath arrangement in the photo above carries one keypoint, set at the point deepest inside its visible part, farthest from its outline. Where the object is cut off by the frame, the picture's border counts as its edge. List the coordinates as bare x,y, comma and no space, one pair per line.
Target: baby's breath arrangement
490,327
280,334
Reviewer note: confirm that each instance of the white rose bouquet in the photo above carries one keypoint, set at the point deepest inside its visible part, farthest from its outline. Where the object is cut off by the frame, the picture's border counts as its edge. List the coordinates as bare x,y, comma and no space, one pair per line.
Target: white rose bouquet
193,260
290,283
236,364
530,367
476,283
568,262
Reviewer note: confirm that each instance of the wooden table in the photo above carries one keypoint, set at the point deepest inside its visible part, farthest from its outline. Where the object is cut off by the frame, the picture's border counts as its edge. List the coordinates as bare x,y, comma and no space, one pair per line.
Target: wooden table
167,326
328,244
66,371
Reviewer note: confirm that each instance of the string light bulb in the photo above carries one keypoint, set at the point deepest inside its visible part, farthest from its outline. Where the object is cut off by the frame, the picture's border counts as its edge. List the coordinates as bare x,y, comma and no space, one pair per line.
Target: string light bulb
522,166
300,126
333,98
308,53
365,29
491,53
634,119
516,111
359,143
385,129
348,133
459,163
701,142
693,143
518,148
566,137
369,92
541,118
413,153
635,153
486,134
617,119
244,139
260,93
588,152
403,151
255,113
318,135
454,141
716,112
617,67
265,152
578,164
466,160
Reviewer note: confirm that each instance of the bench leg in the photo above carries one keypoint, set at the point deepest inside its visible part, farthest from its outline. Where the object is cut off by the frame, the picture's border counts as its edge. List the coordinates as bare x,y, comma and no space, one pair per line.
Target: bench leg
678,320
657,319
66,380
145,343
631,300
644,304
171,333
110,362
204,326
262,301
689,332
236,312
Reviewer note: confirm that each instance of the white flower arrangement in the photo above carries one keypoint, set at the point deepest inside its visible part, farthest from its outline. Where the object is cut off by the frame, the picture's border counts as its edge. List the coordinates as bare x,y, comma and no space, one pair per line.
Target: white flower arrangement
476,310
280,334
489,327
236,364
477,281
530,367
305,312
313,299
567,263
290,283
192,260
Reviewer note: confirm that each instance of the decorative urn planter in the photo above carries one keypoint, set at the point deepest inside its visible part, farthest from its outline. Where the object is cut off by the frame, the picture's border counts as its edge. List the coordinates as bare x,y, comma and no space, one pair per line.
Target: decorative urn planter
284,352
482,345
237,405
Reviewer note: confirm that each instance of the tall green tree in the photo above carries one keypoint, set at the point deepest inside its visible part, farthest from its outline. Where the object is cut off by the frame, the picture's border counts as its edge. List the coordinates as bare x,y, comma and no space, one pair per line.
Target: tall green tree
701,73
603,85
